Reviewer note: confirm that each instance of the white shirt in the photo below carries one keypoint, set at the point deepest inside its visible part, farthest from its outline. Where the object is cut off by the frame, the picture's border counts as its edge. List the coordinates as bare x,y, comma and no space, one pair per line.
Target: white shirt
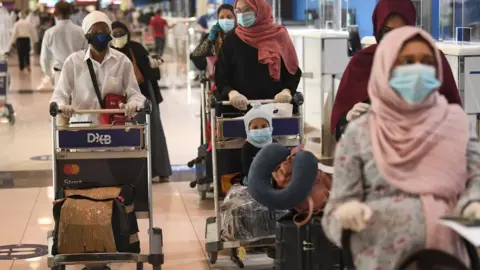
58,43
114,75
24,29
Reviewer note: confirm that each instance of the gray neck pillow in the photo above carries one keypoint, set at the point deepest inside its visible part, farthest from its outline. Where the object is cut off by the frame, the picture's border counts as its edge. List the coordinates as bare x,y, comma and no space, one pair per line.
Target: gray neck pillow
304,174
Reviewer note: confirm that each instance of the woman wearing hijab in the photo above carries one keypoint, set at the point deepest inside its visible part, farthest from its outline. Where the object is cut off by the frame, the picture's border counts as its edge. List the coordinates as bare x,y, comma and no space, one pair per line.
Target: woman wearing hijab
258,60
352,98
412,150
148,83
211,43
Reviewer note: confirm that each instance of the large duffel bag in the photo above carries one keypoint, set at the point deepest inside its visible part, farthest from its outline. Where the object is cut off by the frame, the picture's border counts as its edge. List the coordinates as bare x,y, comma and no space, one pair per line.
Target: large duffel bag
305,247
96,220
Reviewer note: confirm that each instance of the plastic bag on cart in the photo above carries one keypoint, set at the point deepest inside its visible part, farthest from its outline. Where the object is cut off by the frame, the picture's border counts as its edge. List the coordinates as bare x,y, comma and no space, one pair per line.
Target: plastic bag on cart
96,220
245,219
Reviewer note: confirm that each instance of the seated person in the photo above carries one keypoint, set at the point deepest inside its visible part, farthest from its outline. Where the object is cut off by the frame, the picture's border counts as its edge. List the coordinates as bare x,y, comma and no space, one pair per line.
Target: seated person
257,60
258,125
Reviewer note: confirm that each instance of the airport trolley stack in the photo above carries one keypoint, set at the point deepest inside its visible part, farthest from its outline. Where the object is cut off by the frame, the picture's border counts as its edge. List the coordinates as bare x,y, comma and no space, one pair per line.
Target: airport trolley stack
106,155
288,131
6,109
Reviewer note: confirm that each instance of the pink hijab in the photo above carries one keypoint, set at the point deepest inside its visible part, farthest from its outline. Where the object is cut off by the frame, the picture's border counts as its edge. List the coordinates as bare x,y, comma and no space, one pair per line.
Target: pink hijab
271,40
420,149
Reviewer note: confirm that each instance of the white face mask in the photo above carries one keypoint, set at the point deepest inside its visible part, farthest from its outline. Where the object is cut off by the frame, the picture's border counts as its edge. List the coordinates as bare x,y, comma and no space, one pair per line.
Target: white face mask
120,42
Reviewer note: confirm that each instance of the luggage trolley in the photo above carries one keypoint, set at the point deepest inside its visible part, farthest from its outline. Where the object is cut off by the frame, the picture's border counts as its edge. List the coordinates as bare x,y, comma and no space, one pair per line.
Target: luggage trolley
202,182
288,131
106,155
6,109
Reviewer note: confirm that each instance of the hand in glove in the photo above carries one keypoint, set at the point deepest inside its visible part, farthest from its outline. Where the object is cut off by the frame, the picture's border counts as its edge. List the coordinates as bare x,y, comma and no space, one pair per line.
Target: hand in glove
238,100
283,97
214,32
357,110
472,210
130,108
67,111
353,215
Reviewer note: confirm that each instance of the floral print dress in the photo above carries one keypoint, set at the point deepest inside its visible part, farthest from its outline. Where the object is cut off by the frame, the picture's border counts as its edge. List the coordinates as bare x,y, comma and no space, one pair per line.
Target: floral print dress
397,227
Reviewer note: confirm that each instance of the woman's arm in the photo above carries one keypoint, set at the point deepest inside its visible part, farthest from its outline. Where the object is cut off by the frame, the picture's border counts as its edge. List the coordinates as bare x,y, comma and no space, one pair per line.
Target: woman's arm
66,84
290,81
347,181
224,69
472,191
130,84
198,56
143,63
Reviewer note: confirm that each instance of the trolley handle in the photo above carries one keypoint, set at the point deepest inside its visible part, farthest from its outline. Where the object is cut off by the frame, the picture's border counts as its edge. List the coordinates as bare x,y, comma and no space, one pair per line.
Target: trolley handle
55,110
261,101
297,100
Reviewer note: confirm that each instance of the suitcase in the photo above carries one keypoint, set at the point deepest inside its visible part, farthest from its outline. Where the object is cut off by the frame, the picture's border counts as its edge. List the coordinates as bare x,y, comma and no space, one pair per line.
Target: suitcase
305,247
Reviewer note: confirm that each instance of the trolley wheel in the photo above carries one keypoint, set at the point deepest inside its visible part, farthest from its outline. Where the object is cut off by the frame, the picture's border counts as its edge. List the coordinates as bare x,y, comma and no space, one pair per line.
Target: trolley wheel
212,257
203,195
11,113
156,267
58,267
139,266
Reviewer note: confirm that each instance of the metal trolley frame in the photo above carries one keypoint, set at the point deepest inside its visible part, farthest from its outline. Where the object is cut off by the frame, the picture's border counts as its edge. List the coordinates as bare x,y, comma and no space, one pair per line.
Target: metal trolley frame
104,143
8,111
228,128
206,78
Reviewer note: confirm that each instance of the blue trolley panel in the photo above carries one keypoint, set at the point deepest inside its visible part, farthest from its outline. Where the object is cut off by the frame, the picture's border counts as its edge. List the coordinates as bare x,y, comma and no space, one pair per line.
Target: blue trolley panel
281,127
100,138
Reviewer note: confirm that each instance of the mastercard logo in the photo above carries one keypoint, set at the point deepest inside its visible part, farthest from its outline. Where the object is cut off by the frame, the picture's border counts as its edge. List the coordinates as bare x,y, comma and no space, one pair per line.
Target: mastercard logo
71,169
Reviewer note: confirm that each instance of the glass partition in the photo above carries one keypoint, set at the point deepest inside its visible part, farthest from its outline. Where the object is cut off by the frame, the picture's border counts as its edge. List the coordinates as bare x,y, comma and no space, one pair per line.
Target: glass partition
330,17
459,20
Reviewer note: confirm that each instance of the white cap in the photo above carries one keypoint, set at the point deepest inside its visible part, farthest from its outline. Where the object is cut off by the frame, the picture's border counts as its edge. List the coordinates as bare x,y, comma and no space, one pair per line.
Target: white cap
257,112
93,18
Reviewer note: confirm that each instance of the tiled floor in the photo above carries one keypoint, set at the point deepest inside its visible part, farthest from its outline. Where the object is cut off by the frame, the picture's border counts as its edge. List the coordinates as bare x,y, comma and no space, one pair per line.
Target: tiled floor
26,210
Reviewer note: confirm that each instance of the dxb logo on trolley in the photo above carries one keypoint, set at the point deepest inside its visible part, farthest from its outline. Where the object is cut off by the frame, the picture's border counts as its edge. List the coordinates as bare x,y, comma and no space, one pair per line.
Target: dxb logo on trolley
99,138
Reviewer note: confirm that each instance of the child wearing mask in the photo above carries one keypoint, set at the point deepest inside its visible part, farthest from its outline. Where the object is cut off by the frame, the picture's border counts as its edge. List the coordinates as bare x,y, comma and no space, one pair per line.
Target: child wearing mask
258,126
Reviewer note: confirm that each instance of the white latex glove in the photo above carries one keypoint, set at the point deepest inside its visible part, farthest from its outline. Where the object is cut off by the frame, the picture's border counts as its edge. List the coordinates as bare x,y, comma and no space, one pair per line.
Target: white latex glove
353,215
67,110
283,97
238,100
472,210
357,110
130,108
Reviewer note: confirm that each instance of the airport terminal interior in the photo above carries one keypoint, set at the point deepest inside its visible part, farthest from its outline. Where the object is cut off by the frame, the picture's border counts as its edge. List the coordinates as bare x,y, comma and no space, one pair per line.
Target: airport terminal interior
26,192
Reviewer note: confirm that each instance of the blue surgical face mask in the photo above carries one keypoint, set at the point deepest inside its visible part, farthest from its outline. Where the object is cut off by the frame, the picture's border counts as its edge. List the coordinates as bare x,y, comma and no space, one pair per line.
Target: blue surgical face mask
246,19
414,82
260,137
226,24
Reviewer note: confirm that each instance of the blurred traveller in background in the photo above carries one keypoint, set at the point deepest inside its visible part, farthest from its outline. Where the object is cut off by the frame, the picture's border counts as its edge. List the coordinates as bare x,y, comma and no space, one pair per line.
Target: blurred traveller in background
78,15
258,60
24,36
352,99
34,18
114,74
211,43
148,83
60,41
207,21
157,26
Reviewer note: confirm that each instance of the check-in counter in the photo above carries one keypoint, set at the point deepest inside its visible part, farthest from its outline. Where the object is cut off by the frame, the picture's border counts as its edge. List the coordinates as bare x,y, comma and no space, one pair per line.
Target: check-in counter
323,56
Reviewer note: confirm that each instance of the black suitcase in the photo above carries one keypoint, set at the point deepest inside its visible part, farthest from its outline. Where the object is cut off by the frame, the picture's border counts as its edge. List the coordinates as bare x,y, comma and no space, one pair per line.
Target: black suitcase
305,247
